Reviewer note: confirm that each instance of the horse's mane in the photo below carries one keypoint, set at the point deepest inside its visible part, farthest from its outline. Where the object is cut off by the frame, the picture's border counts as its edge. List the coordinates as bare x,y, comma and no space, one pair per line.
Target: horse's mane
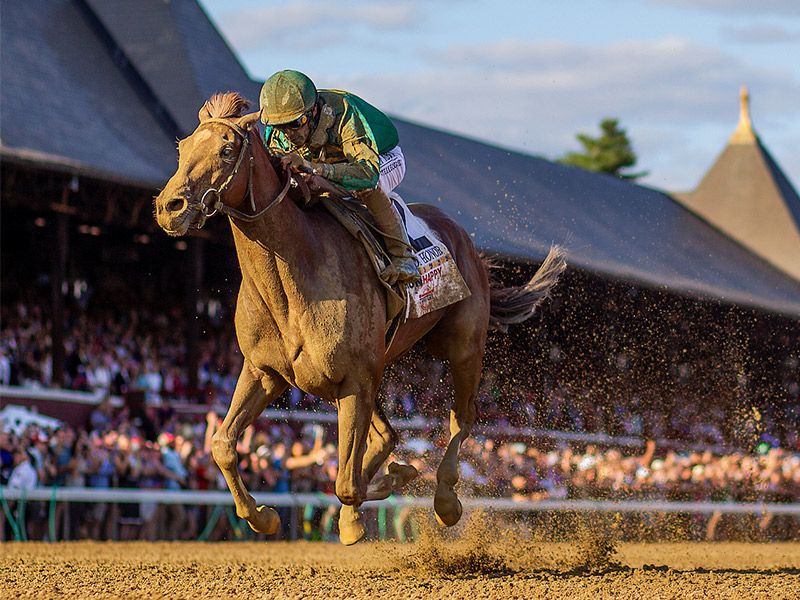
223,106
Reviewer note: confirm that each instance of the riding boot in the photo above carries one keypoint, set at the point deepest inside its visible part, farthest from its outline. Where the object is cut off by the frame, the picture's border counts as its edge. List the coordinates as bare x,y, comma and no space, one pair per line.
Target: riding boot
397,243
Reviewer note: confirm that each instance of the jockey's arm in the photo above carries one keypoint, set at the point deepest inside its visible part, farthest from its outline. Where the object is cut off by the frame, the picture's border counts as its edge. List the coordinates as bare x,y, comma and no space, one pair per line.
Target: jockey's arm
358,170
359,167
351,158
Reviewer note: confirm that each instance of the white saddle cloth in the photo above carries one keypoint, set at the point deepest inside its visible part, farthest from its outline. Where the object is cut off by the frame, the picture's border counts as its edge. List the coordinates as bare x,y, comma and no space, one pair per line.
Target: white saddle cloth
441,283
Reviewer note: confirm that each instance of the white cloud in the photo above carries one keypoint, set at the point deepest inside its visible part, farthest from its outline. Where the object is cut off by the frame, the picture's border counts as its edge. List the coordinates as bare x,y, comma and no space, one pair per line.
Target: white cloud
537,96
668,80
761,34
755,7
299,24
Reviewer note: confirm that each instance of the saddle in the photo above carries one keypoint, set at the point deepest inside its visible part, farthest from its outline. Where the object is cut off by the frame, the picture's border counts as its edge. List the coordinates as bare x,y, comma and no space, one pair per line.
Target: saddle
355,217
441,283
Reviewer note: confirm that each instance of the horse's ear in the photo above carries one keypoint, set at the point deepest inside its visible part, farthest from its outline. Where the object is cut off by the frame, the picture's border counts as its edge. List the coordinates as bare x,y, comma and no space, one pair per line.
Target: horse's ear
204,114
247,121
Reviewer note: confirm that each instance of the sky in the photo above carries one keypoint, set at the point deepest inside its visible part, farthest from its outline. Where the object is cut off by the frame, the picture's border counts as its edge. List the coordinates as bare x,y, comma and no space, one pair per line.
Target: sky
529,75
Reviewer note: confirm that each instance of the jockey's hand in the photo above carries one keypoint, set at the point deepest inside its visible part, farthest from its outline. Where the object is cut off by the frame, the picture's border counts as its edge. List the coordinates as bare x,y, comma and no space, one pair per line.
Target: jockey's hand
295,162
300,165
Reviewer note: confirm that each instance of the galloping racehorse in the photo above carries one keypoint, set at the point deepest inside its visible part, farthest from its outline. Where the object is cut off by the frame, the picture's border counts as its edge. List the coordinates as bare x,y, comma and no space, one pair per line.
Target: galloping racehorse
311,313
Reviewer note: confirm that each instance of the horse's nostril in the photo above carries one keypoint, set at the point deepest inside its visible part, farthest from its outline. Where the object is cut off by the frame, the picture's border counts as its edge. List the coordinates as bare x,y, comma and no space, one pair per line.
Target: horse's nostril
175,205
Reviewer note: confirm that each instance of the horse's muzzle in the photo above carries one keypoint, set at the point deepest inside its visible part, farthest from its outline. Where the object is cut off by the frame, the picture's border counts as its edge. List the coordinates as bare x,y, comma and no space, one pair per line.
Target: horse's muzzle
175,216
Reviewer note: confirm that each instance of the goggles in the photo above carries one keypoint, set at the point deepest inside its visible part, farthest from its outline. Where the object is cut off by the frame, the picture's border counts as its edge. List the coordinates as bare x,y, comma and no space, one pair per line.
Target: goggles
296,124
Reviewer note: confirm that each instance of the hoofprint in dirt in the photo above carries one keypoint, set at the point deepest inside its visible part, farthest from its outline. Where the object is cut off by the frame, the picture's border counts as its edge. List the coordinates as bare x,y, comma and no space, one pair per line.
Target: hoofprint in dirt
387,570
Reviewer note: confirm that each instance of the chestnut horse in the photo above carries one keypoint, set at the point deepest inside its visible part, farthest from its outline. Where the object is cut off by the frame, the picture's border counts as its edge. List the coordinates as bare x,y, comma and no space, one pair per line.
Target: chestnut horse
311,313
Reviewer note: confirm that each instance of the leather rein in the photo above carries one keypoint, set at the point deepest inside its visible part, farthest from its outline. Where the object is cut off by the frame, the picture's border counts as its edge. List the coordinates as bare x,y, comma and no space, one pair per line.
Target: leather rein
209,210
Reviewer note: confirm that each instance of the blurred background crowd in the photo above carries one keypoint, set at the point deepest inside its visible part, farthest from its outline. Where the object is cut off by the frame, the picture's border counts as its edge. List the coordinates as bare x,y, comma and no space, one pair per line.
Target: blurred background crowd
115,452
112,352
742,449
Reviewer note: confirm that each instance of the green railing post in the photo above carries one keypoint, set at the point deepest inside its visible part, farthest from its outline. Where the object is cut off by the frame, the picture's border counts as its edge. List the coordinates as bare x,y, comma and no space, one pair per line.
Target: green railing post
51,516
212,520
10,516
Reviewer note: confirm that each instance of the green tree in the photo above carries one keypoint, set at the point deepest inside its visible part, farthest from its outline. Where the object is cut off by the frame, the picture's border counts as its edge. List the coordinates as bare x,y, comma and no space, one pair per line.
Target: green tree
609,153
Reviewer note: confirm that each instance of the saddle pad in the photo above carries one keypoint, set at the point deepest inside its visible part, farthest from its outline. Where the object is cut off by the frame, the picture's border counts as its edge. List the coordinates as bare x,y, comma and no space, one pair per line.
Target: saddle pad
441,283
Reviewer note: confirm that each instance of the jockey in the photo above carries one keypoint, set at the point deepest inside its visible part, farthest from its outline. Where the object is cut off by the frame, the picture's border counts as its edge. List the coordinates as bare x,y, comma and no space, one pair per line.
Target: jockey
338,136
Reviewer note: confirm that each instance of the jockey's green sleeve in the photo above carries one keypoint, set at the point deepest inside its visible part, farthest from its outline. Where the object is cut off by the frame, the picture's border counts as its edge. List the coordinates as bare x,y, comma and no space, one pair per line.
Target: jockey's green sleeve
350,139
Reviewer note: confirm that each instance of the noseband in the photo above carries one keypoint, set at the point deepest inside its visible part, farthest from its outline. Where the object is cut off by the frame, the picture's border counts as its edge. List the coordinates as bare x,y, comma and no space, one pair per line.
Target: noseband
217,205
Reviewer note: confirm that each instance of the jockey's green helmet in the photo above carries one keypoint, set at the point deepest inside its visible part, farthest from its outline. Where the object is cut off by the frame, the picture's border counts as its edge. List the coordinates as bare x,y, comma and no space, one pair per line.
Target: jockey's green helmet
286,96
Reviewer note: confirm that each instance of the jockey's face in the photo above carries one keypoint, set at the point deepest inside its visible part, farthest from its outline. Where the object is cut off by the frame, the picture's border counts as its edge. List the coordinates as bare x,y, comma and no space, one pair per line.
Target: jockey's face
298,137
299,131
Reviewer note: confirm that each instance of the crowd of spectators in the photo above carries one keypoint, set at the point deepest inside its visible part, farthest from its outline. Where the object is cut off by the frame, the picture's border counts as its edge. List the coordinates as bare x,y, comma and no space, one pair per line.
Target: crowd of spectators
114,352
279,457
111,351
116,451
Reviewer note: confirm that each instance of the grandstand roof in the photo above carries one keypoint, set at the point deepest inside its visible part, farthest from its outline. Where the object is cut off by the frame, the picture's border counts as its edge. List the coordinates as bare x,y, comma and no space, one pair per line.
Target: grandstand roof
102,89
747,196
516,205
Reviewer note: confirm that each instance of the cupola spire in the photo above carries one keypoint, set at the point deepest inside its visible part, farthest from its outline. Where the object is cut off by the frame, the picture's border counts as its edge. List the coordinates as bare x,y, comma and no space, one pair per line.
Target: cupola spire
744,133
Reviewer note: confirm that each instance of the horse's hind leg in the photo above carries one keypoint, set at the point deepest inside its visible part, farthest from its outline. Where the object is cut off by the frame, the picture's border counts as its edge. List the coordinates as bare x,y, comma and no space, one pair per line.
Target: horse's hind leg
255,390
460,338
466,378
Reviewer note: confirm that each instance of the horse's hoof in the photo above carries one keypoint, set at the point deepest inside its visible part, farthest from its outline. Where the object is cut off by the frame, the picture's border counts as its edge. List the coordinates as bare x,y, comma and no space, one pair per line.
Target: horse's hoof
447,508
383,486
401,474
353,531
265,521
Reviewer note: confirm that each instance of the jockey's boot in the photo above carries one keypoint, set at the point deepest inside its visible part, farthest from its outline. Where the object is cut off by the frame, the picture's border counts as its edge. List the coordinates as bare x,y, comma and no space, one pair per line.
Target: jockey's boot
404,265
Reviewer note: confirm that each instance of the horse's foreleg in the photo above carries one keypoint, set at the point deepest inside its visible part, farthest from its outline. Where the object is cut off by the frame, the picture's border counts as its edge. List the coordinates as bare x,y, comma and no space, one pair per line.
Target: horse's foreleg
466,378
382,441
355,415
255,390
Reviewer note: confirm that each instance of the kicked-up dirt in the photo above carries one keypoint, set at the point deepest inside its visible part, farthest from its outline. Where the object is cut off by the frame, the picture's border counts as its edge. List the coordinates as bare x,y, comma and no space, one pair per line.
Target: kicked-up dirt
592,569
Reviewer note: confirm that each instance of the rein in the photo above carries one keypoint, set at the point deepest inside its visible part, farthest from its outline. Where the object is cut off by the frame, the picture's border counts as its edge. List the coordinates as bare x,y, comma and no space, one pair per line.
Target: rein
218,205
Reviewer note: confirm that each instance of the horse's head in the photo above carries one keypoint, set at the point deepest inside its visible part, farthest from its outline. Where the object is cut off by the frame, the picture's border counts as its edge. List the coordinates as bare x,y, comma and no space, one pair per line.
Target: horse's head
209,162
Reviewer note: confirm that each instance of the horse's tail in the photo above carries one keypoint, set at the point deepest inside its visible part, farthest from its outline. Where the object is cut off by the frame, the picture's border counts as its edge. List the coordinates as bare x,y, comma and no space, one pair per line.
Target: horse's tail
510,305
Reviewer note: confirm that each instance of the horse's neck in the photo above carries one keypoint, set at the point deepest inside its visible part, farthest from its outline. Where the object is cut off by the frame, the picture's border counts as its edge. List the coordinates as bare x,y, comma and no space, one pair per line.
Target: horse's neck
274,250
279,235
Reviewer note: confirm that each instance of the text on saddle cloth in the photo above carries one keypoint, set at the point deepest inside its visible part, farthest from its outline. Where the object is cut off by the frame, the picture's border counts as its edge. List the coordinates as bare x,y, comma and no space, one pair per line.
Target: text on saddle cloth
441,283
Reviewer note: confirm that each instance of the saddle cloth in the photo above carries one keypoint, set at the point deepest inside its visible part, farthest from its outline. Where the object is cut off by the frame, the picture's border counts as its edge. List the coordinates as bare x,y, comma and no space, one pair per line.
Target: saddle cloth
441,283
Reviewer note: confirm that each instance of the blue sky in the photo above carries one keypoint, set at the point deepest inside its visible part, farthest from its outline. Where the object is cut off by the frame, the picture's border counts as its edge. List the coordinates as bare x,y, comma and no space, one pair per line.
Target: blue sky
531,74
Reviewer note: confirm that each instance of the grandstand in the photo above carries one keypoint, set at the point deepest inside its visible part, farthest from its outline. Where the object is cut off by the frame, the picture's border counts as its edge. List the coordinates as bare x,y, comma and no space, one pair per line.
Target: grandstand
665,327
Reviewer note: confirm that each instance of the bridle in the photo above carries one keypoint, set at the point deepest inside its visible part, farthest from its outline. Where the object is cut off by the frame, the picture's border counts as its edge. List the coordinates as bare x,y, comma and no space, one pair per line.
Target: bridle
209,210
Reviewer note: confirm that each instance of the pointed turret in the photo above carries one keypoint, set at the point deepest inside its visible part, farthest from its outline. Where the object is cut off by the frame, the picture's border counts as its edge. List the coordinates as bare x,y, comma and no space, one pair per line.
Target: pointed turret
746,195
744,133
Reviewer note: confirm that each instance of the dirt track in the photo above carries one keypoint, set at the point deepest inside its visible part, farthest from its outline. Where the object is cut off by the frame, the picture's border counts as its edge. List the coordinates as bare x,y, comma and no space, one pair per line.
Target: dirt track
389,571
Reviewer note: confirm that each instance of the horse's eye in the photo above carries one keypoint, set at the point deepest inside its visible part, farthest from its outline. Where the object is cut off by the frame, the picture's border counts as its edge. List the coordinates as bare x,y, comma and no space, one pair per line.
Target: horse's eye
226,150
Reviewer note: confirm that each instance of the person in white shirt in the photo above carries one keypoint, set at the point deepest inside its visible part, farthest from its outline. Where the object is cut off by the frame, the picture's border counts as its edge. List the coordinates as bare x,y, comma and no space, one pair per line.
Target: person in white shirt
24,476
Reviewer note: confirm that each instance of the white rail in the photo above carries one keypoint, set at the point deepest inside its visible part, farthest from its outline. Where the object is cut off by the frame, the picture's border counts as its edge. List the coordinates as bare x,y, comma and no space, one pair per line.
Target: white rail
215,498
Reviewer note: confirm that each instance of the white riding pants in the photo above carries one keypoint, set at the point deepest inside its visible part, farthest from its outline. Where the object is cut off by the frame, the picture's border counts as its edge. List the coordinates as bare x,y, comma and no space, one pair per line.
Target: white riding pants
392,168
